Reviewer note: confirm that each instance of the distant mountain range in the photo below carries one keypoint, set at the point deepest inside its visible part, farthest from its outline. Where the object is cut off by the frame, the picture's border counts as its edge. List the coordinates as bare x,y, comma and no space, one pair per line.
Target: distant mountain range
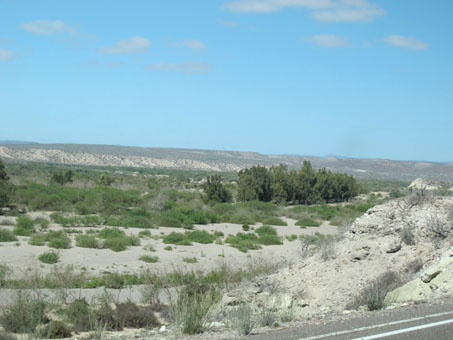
139,157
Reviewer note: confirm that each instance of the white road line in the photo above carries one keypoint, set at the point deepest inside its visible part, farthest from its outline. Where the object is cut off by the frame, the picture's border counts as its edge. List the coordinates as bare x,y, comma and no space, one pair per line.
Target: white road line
376,326
405,330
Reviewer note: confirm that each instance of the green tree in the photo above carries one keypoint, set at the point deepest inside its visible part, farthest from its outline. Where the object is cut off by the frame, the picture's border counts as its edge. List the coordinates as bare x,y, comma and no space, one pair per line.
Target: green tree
105,180
63,177
255,184
6,189
215,190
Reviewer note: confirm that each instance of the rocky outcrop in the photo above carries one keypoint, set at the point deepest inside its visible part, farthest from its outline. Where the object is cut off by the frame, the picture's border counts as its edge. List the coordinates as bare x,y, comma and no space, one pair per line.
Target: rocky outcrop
373,246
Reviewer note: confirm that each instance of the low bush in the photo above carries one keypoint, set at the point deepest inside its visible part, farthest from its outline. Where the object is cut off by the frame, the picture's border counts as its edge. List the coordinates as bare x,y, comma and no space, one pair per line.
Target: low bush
149,258
38,240
24,222
116,239
274,221
144,233
373,296
7,236
24,314
269,239
291,238
190,259
186,239
107,233
42,222
80,315
58,240
191,310
49,257
130,315
55,329
243,242
308,222
267,317
177,238
266,230
241,319
87,241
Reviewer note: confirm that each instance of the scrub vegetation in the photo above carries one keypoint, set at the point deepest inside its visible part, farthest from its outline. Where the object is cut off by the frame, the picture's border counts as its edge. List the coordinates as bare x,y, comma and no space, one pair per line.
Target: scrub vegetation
96,208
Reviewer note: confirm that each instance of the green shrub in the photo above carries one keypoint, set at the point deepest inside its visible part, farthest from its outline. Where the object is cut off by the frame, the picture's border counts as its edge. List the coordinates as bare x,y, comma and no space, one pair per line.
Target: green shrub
116,244
108,233
192,306
24,314
245,227
7,236
168,248
49,257
242,319
24,222
267,317
24,226
190,259
149,258
130,315
55,329
144,233
373,296
218,234
266,230
269,239
58,240
200,236
308,222
80,315
42,222
177,238
116,239
87,241
38,240
243,242
291,238
274,221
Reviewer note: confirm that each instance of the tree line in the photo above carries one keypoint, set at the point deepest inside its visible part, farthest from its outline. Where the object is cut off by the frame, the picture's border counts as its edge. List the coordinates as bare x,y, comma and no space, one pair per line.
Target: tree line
306,186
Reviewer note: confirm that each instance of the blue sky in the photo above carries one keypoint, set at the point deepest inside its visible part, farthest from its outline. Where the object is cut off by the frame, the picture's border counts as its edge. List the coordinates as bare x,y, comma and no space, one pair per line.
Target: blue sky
358,78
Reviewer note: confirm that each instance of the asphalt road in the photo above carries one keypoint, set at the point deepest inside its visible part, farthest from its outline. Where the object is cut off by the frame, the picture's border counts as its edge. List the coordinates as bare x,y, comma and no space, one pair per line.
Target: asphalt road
419,322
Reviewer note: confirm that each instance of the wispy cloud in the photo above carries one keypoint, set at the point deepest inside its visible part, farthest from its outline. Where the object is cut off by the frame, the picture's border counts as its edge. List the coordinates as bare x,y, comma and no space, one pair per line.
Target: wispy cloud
127,46
193,44
321,10
227,23
328,40
44,27
188,67
6,54
406,42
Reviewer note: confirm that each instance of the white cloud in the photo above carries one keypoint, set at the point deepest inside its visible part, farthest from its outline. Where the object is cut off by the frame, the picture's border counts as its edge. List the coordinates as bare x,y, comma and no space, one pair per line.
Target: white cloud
6,54
46,27
406,42
193,44
227,23
321,10
188,67
349,15
131,45
328,40
264,6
